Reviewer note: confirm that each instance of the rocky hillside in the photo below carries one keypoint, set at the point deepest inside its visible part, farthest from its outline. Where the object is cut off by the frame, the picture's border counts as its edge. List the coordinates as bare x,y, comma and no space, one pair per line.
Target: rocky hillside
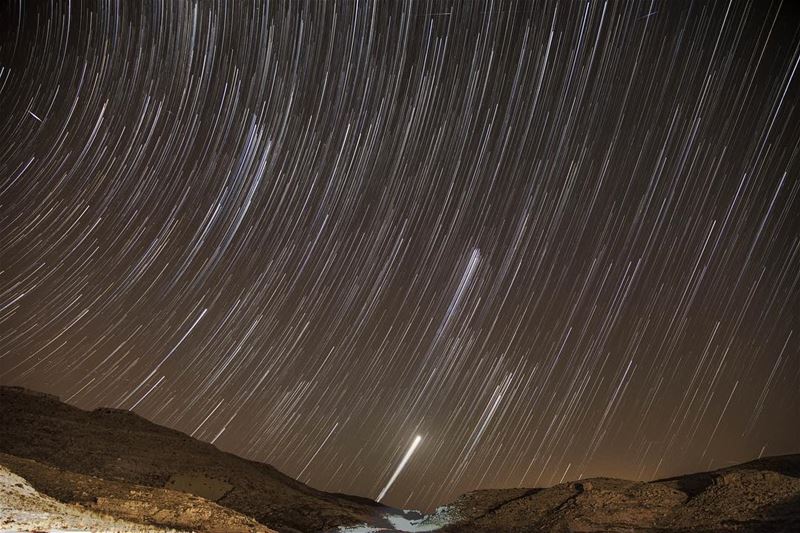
112,470
153,508
119,446
23,508
758,496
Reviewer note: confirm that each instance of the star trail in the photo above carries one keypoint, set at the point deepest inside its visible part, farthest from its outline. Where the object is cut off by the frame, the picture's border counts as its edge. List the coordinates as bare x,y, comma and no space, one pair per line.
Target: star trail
541,240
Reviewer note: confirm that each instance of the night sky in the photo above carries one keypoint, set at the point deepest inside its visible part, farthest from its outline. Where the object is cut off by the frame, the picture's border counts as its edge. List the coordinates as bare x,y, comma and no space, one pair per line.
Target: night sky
555,240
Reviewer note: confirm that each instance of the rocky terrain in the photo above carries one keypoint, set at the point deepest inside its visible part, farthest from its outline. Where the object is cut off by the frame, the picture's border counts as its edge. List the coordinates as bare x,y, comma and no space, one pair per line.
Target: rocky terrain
110,470
113,446
154,508
758,496
23,508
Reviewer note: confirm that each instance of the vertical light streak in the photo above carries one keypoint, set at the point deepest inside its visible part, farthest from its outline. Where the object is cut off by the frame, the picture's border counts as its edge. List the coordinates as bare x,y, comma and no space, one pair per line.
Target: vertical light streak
399,468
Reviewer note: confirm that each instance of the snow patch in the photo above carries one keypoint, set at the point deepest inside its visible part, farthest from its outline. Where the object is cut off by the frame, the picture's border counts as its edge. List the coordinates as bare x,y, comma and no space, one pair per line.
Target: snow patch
440,518
402,523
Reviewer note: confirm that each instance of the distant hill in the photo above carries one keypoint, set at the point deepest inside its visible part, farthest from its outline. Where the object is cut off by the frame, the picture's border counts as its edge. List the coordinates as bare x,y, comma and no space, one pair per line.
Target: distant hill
116,464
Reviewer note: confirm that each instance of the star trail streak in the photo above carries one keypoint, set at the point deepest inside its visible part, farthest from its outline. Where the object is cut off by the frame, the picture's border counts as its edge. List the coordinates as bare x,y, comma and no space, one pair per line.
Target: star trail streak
557,238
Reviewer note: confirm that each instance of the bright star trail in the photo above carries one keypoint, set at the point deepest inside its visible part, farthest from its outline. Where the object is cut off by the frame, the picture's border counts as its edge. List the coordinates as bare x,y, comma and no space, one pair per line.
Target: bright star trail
400,467
558,239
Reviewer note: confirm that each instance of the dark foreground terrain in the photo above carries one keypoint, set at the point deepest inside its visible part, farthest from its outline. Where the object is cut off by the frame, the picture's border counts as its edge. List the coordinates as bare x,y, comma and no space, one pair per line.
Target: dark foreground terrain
113,470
